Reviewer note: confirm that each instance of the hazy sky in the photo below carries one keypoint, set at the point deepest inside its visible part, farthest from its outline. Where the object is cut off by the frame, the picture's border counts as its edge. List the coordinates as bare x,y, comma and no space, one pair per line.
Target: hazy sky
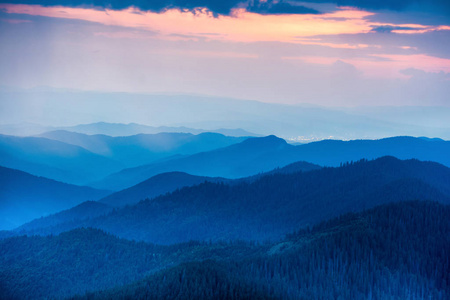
338,53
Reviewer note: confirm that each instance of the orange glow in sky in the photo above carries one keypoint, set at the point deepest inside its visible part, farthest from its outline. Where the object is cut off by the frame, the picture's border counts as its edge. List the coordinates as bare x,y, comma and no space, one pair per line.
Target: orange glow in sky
243,26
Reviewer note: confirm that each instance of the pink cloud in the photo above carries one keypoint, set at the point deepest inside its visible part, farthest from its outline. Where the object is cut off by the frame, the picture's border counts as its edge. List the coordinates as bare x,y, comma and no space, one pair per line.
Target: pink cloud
385,65
246,27
242,26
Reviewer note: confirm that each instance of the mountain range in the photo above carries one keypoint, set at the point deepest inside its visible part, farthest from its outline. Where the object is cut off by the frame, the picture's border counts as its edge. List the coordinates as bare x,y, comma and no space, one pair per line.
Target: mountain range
25,197
148,189
242,158
54,159
80,159
116,163
168,182
302,122
252,210
208,216
140,149
114,129
256,155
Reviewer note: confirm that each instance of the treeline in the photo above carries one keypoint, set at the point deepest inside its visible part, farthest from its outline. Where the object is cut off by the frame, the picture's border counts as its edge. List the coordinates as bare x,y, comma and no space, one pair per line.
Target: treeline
88,259
396,251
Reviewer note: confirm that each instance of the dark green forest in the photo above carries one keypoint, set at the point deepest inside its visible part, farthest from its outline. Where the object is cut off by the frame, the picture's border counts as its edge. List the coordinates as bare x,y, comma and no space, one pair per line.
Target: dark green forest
394,251
89,259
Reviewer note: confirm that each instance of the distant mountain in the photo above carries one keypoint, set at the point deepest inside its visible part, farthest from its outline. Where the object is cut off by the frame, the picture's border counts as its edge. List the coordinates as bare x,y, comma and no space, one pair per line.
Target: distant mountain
252,156
333,152
238,132
394,251
24,197
54,159
256,155
252,210
142,149
300,122
119,129
114,129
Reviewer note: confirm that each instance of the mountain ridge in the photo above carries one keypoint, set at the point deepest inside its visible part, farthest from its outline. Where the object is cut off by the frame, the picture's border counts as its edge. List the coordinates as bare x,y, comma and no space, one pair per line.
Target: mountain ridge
25,152
25,197
158,185
248,210
140,149
256,155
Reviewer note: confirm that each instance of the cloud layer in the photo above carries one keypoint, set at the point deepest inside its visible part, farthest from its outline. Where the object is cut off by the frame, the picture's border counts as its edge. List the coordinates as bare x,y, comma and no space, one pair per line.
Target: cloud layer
218,7
225,7
289,52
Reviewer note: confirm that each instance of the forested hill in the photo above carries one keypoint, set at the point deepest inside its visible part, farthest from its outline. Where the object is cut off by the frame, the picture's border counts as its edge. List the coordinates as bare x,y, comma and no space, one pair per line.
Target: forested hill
87,259
393,251
167,182
273,205
24,197
155,186
69,217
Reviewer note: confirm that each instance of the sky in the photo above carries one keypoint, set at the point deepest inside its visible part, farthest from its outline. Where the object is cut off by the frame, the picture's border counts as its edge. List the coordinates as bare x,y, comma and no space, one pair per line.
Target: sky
341,53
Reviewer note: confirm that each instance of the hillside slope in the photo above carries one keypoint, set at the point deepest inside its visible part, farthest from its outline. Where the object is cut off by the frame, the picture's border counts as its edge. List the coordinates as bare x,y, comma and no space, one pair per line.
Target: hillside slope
256,155
25,197
253,210
54,159
148,189
142,149
394,251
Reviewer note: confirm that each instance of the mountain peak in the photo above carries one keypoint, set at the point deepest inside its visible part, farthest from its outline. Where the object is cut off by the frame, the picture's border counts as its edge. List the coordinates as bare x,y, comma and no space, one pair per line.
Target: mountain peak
270,140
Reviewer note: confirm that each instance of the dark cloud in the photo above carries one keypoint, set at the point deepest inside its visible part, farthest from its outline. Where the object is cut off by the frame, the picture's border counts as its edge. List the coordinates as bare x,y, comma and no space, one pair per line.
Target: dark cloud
218,7
411,17
396,5
277,8
390,28
224,7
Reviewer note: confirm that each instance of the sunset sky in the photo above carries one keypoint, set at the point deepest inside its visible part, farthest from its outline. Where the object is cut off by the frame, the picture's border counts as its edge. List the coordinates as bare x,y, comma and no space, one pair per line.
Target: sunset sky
331,53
